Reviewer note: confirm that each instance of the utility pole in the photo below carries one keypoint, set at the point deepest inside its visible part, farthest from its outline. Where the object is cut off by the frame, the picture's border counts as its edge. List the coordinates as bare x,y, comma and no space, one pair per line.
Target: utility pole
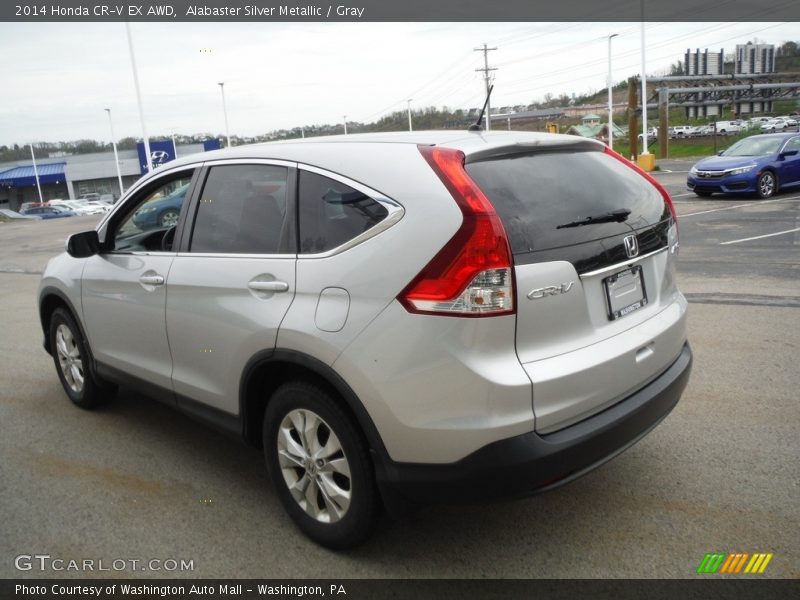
409,114
487,80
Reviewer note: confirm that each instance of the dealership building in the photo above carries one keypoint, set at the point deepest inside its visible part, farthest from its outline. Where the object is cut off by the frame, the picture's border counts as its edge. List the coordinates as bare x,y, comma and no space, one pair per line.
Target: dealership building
74,175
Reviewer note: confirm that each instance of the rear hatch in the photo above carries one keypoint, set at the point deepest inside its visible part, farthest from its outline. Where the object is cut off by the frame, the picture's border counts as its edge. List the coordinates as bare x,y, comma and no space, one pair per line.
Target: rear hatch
593,244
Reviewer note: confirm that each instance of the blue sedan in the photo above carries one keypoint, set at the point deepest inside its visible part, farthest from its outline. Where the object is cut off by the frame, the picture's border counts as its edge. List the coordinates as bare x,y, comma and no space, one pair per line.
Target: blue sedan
48,212
759,164
161,213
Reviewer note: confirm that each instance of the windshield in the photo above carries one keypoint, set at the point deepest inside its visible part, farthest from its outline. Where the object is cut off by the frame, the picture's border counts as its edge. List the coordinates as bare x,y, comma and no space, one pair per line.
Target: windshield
754,146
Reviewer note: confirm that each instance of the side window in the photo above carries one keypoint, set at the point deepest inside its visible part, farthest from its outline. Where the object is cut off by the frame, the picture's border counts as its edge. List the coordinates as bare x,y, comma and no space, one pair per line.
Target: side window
153,215
332,213
242,210
794,144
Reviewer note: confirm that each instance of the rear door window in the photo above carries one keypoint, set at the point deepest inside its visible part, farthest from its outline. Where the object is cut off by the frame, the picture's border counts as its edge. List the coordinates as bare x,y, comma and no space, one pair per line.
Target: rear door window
540,197
242,210
332,213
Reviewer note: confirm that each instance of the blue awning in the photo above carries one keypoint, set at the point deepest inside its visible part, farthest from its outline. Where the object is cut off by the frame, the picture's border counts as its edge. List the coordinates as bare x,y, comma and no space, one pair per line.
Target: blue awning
22,176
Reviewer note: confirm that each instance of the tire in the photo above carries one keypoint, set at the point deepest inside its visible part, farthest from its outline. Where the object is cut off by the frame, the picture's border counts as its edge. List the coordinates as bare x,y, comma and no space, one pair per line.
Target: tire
767,185
703,194
324,476
71,358
169,218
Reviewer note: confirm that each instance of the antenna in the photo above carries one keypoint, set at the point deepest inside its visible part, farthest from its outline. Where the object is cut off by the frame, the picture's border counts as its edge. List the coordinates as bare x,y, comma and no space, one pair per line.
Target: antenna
476,126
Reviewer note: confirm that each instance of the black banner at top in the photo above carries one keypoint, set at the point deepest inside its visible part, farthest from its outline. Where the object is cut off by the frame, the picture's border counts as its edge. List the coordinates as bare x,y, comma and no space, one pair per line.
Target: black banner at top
398,10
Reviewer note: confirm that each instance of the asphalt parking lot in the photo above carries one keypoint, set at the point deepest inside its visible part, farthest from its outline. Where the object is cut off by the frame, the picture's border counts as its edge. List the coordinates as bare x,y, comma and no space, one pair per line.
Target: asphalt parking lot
721,473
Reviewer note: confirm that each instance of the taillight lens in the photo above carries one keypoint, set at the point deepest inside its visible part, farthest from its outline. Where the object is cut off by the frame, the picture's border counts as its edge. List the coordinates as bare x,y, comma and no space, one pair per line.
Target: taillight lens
471,276
664,193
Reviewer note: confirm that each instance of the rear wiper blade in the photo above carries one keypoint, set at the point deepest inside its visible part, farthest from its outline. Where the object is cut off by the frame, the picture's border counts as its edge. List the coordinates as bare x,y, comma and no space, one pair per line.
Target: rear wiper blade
617,216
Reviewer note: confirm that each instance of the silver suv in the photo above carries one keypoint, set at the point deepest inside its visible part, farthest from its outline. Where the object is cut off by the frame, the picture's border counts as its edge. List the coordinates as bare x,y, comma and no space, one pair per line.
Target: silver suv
396,319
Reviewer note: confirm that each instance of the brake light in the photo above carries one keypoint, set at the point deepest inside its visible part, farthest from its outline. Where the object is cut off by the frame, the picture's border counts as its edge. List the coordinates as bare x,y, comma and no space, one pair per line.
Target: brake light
471,276
664,193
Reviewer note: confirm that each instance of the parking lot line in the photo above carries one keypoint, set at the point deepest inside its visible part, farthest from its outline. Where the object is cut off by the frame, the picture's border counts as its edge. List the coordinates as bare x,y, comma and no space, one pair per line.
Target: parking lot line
703,212
758,237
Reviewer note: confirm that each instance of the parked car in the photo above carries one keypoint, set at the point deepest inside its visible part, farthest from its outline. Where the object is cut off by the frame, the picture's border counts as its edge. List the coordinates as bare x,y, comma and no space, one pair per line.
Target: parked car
728,127
26,205
79,207
774,125
107,198
49,212
759,164
389,316
680,131
652,134
703,130
11,214
790,121
161,212
89,196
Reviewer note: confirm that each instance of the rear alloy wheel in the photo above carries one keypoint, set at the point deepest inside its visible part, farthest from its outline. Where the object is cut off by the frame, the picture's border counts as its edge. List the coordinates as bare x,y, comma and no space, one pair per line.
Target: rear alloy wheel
320,466
169,218
71,357
766,185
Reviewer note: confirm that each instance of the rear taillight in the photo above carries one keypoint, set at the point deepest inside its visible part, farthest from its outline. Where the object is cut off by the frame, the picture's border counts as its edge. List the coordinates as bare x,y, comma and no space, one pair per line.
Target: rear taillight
471,276
664,193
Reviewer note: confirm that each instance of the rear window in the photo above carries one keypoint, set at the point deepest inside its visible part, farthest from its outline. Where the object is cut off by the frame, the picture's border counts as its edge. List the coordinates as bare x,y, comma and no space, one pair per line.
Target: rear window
538,196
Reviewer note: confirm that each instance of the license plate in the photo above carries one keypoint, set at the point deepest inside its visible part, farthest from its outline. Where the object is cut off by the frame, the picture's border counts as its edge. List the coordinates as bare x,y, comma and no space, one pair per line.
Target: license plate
625,292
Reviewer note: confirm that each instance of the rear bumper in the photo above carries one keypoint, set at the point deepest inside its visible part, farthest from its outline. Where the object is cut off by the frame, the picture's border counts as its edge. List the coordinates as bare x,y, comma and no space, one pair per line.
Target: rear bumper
532,463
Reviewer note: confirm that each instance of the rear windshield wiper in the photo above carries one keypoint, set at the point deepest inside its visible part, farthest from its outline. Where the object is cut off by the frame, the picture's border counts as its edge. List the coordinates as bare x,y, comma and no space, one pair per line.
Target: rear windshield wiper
617,216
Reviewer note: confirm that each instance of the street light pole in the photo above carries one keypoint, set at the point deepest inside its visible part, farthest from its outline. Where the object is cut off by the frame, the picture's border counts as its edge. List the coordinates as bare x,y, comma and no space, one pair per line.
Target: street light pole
409,115
114,145
225,112
644,92
610,98
36,174
139,100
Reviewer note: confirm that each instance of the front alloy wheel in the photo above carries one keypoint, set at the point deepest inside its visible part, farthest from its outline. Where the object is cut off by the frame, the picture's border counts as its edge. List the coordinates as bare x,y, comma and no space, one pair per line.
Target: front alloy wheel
71,357
320,466
766,184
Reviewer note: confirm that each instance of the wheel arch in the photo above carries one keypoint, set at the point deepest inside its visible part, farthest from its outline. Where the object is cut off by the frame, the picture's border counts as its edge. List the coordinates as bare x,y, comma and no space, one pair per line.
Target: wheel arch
51,298
267,370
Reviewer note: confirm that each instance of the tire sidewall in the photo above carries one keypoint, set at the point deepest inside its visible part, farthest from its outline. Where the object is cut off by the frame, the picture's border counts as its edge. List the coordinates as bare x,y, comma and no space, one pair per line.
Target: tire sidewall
356,523
85,397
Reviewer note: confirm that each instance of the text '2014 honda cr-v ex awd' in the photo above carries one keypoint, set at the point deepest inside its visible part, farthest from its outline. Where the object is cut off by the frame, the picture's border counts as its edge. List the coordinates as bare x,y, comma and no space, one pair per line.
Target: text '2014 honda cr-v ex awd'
396,319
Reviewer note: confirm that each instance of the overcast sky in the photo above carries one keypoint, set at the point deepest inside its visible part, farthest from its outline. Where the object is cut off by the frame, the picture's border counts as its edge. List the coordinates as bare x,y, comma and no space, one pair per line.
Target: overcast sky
58,77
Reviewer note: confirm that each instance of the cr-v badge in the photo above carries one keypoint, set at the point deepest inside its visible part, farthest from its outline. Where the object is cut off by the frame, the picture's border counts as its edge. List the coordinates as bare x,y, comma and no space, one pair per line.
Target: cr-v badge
550,290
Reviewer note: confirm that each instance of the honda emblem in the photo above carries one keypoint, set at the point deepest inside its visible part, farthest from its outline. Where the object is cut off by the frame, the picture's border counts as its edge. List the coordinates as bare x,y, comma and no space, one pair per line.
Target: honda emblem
631,246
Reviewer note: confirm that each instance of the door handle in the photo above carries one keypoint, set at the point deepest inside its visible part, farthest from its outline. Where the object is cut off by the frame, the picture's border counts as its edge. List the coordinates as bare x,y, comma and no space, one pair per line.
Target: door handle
152,279
268,286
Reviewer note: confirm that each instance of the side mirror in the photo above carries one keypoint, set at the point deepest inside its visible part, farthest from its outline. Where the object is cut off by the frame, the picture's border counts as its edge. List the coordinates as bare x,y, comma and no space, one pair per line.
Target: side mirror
786,153
83,245
720,152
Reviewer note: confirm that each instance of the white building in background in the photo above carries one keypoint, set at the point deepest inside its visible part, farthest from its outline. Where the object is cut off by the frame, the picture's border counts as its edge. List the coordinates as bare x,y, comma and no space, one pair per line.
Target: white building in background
754,58
703,63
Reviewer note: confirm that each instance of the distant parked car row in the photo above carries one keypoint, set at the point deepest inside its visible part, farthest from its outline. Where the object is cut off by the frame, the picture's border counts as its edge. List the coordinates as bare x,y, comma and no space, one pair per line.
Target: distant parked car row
759,124
66,208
